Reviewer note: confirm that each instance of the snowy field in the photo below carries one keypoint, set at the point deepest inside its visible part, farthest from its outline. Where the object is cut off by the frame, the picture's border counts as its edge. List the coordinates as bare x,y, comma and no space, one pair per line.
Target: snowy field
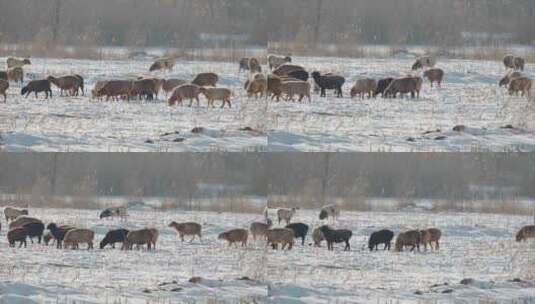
476,246
469,97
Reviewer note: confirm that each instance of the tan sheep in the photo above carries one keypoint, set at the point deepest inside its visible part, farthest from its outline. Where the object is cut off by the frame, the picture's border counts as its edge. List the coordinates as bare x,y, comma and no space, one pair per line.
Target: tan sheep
155,235
318,237
363,87
189,228
259,229
206,79
257,87
527,232
434,75
522,85
299,88
139,238
185,91
213,94
164,63
23,220
76,236
430,236
275,61
16,74
169,85
12,213
281,236
68,83
235,236
17,63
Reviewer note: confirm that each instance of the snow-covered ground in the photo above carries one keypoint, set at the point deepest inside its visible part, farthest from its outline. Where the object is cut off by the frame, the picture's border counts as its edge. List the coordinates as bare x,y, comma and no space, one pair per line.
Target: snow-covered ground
469,97
474,246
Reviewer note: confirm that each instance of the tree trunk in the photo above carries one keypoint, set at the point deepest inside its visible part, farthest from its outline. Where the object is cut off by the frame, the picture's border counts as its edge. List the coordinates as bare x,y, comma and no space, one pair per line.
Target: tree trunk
317,23
55,28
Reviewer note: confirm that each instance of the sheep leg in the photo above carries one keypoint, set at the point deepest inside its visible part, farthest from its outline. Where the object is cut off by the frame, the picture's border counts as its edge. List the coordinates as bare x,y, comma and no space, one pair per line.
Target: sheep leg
437,245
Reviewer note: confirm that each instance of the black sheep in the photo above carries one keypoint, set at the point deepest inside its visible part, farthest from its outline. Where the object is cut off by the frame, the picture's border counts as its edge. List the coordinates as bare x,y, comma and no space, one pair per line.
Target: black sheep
336,236
244,64
380,237
299,74
300,231
382,85
107,213
3,75
58,232
114,236
37,86
34,230
329,82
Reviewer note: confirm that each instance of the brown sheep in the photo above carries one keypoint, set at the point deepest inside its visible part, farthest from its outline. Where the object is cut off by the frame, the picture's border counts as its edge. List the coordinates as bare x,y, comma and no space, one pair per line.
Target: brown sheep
363,87
318,237
4,85
257,87
95,92
17,63
409,238
283,70
192,229
76,236
206,79
527,232
434,75
185,91
508,77
259,229
403,86
522,85
138,237
116,89
213,94
15,74
169,85
235,236
283,236
12,213
147,88
253,76
68,83
274,86
23,220
430,236
17,235
300,88
165,63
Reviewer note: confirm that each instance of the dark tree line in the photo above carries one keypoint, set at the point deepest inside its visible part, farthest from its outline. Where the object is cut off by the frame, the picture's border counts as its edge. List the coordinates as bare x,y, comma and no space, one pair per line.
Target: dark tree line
177,23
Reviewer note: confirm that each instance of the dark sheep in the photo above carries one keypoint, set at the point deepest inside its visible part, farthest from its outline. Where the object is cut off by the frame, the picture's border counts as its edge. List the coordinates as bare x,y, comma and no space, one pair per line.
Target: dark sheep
34,230
254,66
37,86
81,86
114,236
206,79
3,75
244,65
336,236
329,82
299,74
380,237
58,233
300,231
17,235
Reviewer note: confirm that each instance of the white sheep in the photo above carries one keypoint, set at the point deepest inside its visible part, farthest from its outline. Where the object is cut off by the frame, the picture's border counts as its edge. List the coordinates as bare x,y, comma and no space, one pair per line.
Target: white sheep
330,211
285,214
